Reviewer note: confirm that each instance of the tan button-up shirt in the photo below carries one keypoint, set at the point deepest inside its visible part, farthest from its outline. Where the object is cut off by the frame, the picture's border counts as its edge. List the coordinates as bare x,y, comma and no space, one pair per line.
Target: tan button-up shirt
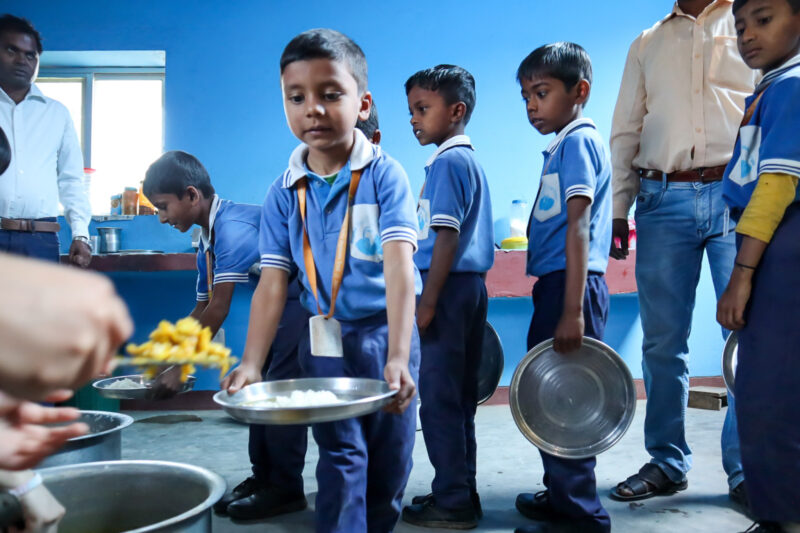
681,99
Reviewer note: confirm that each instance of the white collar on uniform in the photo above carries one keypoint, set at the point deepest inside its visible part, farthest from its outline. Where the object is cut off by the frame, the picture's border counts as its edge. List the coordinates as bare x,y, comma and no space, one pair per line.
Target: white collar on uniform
770,76
678,12
33,93
566,130
363,153
205,236
457,140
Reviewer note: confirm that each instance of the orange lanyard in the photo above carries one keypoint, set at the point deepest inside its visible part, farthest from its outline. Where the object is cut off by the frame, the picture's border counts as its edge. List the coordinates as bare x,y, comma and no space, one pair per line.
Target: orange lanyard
751,109
341,244
209,275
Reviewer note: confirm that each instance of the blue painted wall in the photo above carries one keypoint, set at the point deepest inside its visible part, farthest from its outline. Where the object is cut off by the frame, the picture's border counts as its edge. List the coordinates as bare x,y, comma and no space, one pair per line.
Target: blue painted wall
223,100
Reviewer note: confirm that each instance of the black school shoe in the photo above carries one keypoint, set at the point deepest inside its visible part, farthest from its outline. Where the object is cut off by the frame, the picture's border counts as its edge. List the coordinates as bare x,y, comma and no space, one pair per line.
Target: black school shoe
266,502
428,514
242,490
476,502
536,506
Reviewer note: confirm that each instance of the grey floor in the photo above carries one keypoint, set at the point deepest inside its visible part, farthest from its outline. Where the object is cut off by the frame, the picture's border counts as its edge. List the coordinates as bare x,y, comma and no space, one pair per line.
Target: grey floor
507,465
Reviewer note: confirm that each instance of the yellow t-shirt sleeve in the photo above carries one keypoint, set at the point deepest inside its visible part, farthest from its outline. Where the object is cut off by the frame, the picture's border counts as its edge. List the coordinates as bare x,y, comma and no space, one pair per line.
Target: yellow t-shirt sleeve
772,195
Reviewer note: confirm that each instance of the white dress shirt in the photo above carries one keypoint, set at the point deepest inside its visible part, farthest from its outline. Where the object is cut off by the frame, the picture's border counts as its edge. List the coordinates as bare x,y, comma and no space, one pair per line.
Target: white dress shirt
681,99
46,162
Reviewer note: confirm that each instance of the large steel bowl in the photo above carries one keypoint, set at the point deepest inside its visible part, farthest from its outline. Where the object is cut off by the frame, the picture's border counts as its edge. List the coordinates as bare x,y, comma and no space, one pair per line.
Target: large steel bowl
134,496
730,358
575,405
102,443
361,397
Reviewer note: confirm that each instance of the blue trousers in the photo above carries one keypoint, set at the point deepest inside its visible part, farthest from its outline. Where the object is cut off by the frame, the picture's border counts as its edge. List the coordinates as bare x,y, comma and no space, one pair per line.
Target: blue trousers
767,378
448,387
38,245
571,483
364,462
278,453
675,224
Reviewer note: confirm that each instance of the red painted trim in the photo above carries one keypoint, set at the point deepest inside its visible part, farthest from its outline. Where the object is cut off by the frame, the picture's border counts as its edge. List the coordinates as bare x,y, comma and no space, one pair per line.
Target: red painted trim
507,278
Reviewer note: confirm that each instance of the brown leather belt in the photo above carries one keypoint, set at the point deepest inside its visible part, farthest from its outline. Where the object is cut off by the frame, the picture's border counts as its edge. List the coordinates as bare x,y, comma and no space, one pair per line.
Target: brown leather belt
703,175
27,224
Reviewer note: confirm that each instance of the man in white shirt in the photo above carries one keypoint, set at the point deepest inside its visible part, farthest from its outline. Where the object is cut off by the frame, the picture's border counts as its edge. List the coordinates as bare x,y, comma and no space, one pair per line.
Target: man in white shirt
678,112
46,161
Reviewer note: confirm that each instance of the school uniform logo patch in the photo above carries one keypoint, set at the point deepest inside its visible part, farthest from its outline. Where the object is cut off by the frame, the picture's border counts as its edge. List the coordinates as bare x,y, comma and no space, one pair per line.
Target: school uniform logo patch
746,169
548,203
423,219
365,242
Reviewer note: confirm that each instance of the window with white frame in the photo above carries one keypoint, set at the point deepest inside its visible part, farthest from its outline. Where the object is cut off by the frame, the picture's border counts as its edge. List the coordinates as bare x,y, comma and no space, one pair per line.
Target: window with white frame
119,116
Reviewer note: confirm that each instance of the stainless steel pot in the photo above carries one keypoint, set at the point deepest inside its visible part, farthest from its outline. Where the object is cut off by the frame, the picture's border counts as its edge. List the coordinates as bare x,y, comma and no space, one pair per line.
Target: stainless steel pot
109,239
135,496
102,443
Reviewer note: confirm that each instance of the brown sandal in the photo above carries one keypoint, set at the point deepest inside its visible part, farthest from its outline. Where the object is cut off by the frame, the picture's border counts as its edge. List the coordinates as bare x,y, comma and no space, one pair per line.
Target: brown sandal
648,482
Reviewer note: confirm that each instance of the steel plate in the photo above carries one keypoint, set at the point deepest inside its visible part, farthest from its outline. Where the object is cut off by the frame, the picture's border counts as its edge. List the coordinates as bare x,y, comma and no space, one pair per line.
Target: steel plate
491,367
101,386
730,358
362,396
576,405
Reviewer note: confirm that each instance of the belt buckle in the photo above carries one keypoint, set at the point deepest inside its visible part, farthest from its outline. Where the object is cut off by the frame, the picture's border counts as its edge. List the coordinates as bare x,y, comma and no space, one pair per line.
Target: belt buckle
26,225
703,178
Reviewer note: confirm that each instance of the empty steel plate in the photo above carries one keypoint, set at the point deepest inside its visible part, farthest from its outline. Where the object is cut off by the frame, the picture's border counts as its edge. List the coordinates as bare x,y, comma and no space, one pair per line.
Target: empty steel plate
491,367
576,405
730,358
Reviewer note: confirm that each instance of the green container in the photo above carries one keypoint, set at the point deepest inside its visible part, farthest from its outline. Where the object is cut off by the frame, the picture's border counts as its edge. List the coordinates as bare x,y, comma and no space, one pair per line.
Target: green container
88,399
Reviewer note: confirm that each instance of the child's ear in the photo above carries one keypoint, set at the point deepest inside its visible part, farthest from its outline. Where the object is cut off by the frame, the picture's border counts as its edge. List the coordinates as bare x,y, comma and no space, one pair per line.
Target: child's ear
584,88
193,194
366,106
459,111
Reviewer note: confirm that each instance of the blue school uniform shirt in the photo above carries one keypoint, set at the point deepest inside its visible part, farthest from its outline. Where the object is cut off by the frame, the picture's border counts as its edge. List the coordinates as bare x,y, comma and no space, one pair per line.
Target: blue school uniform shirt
233,242
768,143
383,211
576,163
456,196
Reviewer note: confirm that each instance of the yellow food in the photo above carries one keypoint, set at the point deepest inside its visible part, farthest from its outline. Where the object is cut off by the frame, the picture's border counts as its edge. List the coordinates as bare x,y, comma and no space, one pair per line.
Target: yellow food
184,343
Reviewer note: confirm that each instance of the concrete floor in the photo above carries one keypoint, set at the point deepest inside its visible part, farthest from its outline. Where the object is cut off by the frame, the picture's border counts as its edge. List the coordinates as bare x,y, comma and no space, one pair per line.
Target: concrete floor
507,464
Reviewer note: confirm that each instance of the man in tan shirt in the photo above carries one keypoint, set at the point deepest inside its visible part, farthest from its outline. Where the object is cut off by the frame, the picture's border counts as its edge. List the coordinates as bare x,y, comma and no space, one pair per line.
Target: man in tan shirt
679,108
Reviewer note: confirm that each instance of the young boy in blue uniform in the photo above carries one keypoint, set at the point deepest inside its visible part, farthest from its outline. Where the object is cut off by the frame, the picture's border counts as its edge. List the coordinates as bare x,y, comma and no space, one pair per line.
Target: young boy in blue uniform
180,188
456,248
343,212
569,239
760,189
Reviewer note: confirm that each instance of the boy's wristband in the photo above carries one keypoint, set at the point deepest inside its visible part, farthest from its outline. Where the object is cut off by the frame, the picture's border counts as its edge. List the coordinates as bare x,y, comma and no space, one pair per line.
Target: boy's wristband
742,265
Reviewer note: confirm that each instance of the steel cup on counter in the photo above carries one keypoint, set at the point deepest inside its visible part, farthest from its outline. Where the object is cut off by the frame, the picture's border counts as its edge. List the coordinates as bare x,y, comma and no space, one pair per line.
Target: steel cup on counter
109,239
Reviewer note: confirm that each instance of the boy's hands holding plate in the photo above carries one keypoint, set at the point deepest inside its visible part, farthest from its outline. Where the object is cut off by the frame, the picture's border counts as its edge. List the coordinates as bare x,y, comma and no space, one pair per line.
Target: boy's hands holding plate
241,376
399,378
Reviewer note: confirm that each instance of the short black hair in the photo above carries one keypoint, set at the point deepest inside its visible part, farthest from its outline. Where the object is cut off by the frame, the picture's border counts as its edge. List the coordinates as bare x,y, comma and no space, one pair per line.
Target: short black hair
324,43
173,172
10,23
5,152
453,82
738,4
370,126
563,61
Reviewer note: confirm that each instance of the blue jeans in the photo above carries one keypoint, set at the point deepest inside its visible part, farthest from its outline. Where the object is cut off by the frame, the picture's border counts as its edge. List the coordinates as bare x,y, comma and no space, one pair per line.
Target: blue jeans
675,224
